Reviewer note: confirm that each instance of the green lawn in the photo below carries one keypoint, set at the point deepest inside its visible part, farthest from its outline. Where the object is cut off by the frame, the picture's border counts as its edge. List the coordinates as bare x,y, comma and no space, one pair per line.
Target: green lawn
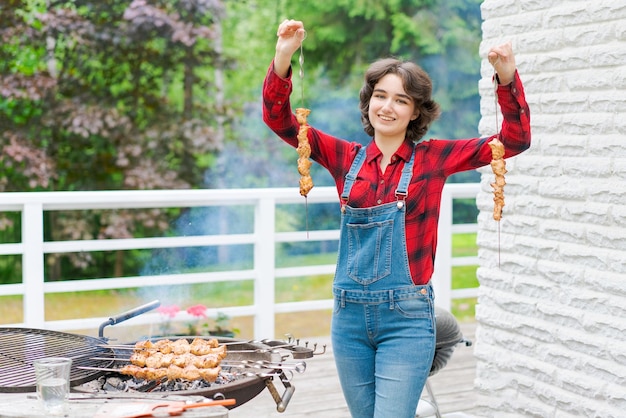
464,245
214,295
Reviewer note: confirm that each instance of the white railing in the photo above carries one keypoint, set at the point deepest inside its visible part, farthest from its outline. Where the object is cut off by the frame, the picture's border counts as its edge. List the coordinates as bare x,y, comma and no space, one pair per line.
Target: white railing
33,248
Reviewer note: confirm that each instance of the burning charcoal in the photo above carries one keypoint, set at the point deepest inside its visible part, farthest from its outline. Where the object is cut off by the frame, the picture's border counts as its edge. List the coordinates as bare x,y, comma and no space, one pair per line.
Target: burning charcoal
94,385
135,384
226,377
115,383
174,385
198,384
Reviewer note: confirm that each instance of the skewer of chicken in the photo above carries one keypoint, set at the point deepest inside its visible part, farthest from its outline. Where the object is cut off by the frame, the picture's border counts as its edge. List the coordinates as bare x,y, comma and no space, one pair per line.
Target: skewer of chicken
199,346
304,152
158,359
171,372
498,166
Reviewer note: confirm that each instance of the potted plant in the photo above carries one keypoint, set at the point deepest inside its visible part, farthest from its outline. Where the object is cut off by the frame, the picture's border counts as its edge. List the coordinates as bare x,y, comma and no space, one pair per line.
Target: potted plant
221,328
200,326
167,314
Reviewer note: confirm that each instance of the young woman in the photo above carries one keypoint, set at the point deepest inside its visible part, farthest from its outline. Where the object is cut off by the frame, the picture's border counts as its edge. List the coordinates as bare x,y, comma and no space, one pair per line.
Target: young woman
383,330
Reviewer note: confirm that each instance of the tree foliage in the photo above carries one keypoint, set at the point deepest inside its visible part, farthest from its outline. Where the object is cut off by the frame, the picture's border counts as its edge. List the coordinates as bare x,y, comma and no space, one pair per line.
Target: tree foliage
108,95
345,36
112,89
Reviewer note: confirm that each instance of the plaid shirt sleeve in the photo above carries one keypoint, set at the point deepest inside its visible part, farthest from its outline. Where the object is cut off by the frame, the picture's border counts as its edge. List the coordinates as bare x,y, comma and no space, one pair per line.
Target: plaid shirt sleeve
277,113
515,133
453,156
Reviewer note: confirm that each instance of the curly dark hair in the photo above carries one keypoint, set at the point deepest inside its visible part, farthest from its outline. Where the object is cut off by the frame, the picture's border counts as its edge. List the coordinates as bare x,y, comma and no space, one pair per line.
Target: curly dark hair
417,84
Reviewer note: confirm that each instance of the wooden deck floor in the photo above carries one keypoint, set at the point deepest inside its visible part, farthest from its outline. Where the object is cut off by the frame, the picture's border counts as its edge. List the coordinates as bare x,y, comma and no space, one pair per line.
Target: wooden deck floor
318,393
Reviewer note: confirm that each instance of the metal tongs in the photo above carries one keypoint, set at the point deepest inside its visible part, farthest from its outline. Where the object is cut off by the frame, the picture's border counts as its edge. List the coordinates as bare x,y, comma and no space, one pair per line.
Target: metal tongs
176,408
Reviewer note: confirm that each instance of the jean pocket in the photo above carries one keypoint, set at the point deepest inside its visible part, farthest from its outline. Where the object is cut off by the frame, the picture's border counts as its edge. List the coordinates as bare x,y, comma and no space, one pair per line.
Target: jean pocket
369,251
420,307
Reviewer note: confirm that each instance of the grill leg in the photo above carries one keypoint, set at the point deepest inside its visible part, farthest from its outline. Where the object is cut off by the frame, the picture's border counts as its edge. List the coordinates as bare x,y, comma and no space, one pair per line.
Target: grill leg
432,406
433,399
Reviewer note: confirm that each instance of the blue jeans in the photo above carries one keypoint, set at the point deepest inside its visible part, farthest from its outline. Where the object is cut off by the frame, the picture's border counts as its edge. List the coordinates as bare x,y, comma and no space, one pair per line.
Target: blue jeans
383,353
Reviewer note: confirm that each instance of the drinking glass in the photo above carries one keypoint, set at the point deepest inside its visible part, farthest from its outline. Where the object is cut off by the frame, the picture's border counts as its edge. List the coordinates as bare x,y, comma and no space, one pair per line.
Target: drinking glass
53,383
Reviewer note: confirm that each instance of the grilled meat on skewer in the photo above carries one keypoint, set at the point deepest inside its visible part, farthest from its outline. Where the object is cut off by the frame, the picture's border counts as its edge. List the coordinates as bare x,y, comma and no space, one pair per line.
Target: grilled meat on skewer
198,346
180,359
498,166
172,372
304,152
157,359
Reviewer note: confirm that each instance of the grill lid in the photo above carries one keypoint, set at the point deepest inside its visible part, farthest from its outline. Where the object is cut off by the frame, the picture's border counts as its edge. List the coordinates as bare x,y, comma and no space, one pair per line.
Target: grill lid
20,347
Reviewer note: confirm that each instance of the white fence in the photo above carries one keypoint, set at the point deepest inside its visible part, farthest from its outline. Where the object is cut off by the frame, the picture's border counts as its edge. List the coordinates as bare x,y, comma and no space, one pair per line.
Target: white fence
263,239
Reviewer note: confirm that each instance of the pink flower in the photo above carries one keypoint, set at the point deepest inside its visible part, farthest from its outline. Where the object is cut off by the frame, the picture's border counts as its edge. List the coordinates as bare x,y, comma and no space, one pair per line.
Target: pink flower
170,310
197,310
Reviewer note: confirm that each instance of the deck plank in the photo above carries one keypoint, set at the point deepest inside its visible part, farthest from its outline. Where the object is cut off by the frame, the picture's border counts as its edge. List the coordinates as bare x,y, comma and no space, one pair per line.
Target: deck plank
318,393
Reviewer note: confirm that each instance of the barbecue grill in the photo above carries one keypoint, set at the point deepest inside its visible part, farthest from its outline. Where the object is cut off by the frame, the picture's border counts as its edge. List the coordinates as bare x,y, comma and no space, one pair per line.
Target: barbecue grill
250,366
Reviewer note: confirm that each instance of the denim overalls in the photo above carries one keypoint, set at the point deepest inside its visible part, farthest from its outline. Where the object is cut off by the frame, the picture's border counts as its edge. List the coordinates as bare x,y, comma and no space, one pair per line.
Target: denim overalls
383,331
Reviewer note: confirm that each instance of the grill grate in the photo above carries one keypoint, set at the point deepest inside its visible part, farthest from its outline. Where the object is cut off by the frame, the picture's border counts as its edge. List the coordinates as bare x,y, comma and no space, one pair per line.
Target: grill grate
20,347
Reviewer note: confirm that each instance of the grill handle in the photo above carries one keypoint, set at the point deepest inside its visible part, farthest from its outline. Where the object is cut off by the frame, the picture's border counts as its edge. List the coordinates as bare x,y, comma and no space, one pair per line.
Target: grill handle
281,402
127,315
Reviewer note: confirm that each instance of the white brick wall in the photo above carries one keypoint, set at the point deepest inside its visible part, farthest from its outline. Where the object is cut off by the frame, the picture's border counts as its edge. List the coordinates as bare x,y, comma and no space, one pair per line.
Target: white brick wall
551,337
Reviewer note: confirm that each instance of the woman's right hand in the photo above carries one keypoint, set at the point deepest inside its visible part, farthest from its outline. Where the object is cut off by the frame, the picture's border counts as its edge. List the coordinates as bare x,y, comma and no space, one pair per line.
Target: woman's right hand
290,34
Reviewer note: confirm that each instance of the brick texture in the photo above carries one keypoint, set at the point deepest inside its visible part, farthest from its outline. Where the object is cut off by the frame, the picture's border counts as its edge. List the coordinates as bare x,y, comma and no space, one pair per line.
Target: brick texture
551,335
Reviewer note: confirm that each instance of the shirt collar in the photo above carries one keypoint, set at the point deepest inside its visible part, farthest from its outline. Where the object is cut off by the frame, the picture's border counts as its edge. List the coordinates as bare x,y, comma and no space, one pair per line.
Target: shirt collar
404,151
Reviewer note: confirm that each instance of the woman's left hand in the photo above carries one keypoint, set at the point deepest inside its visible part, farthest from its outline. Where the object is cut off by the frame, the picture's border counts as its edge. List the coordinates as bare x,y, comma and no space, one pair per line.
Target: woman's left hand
503,61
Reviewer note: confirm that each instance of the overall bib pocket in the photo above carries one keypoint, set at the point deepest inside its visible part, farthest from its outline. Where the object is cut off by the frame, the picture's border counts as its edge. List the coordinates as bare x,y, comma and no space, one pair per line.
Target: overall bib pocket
369,251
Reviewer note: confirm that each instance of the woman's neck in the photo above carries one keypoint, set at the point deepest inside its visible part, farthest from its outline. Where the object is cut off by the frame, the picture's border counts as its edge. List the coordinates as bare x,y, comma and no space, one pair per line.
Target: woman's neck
388,147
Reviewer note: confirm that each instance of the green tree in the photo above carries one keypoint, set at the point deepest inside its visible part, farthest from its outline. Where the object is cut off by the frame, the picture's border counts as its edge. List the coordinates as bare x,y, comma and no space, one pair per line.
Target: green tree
343,38
443,37
109,95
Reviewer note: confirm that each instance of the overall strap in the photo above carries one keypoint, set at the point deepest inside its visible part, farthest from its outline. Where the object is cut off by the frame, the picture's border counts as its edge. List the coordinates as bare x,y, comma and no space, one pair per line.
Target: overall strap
405,179
351,176
403,186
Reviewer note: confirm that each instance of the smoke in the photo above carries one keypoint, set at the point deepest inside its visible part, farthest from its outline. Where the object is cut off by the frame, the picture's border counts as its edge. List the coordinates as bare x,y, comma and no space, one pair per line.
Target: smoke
255,158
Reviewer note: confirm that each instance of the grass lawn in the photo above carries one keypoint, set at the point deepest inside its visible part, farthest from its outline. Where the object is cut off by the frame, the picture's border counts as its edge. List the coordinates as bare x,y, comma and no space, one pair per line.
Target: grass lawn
463,277
106,303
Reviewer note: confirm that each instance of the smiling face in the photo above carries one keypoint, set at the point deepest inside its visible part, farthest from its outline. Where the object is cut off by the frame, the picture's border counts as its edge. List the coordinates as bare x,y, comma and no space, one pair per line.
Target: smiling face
390,109
394,76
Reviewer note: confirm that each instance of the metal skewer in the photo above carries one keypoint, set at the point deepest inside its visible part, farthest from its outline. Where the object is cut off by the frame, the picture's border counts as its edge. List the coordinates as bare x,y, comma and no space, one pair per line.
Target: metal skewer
301,62
252,350
273,373
101,369
495,95
133,347
299,367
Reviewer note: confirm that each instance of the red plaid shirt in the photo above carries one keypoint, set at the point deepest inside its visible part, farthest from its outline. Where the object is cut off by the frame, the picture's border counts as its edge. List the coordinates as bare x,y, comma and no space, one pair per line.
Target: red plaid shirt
435,160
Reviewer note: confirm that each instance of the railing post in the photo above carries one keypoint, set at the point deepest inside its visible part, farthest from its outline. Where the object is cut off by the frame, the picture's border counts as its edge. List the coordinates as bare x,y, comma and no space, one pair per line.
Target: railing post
33,265
442,277
264,266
